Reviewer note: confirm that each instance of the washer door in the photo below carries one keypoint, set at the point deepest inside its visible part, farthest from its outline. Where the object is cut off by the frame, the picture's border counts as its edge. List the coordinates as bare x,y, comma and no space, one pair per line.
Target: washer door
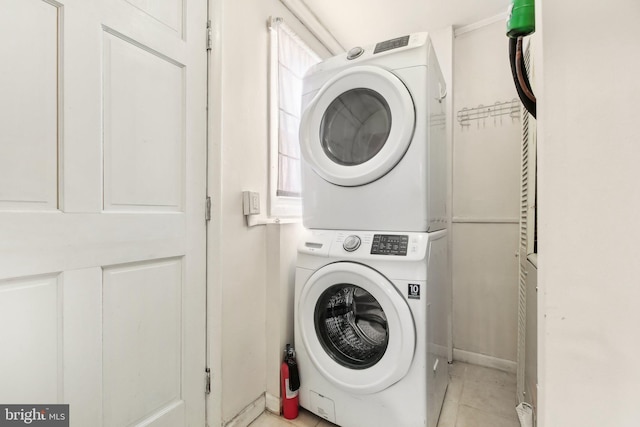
356,327
358,126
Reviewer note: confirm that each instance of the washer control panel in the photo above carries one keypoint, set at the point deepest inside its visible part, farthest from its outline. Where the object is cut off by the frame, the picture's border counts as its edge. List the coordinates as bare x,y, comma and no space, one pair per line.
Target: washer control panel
390,244
363,246
351,243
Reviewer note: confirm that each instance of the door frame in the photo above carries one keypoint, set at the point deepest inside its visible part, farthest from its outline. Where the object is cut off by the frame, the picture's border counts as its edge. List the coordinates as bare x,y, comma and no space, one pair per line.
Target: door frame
214,231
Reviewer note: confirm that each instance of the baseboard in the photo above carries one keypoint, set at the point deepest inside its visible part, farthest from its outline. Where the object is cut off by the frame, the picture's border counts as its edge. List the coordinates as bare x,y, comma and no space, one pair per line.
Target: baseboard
272,403
248,414
484,360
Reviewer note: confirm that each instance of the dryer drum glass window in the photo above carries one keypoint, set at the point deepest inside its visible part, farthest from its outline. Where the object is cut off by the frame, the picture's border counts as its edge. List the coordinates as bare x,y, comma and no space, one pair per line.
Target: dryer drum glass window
351,326
355,126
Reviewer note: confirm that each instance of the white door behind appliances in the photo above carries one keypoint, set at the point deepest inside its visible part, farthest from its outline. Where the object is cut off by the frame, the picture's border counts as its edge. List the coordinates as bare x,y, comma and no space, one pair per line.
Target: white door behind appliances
373,141
102,199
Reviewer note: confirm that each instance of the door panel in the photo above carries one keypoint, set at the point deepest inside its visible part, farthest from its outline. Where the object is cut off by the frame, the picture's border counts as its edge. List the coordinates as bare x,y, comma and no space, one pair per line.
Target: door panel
144,128
142,324
29,85
167,12
30,304
102,190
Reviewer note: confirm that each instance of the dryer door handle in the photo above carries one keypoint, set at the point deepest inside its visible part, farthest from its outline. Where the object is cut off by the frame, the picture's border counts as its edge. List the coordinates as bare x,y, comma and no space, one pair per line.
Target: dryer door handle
442,92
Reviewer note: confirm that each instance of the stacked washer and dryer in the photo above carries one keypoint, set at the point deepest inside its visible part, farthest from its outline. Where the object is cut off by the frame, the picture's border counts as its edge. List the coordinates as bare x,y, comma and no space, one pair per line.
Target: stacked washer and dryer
372,292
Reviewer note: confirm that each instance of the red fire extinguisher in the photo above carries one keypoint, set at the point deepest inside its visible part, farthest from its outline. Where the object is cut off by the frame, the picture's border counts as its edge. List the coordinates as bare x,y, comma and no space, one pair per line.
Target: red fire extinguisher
289,384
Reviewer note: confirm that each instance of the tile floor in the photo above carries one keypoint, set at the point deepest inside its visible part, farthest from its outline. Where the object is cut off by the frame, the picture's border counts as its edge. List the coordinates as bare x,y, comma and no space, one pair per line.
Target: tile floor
476,397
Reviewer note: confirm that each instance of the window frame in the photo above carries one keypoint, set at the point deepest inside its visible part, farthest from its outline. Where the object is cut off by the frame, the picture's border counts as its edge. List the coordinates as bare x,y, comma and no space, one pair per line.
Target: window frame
279,206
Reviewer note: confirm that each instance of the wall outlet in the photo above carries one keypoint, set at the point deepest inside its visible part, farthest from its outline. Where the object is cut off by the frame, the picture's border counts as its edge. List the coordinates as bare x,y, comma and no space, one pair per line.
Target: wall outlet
251,202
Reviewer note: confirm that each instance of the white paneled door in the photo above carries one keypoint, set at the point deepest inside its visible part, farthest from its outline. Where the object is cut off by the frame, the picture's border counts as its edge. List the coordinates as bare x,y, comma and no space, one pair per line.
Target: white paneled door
102,198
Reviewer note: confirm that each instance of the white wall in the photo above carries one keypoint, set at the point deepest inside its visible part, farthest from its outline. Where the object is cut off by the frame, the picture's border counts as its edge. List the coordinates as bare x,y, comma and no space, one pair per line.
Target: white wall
238,256
486,170
281,254
589,203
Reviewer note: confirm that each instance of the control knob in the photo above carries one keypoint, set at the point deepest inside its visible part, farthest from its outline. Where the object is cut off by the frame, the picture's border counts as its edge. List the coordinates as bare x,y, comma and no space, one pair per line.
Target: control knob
351,243
355,53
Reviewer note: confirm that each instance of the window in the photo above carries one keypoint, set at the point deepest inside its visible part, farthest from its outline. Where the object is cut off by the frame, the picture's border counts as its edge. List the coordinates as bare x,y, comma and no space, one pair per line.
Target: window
290,59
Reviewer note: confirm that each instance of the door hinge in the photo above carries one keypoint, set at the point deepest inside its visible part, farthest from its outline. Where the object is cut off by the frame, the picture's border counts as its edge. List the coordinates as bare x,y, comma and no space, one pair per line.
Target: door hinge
209,37
207,210
207,387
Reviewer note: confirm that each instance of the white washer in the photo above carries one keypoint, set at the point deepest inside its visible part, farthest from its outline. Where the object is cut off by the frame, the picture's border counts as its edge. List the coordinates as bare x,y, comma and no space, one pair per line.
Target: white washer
371,326
373,139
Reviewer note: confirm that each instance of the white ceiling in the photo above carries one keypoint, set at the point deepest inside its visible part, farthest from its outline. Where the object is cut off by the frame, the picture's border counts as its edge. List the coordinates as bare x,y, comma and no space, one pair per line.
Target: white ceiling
361,22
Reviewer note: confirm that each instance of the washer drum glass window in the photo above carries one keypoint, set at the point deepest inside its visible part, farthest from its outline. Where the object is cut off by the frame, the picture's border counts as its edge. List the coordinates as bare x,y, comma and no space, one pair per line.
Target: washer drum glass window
351,326
355,326
355,126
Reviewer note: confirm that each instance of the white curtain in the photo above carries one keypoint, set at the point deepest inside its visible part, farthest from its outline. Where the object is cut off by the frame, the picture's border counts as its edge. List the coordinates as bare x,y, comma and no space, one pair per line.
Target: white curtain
294,58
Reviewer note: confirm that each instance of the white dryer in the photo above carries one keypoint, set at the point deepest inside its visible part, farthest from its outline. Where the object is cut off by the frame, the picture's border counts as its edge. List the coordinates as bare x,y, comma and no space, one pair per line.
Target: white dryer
371,327
373,139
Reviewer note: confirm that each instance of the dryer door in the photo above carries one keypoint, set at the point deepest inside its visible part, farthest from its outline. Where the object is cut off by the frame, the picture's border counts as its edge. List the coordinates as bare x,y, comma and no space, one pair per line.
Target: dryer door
358,126
356,327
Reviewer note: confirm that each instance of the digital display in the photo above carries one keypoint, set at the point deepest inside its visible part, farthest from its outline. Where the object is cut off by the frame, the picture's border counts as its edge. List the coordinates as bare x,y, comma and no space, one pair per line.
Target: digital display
389,244
391,44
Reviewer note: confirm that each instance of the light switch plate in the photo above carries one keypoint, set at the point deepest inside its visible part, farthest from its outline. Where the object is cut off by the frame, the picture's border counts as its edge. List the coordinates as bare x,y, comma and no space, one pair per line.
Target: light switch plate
251,202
